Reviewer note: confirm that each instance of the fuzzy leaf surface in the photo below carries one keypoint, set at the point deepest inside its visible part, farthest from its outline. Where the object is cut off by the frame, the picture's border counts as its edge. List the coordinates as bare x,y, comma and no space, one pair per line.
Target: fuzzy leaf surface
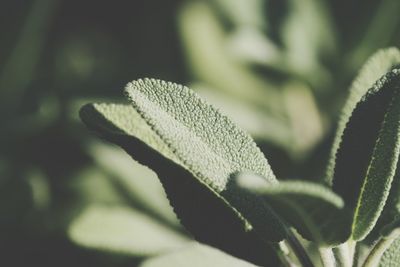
367,157
391,257
314,210
375,67
194,150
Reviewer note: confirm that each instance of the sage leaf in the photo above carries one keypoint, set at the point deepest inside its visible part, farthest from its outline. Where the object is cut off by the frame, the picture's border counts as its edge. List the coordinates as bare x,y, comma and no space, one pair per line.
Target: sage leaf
196,255
136,182
194,150
375,67
368,153
122,230
385,251
391,257
313,210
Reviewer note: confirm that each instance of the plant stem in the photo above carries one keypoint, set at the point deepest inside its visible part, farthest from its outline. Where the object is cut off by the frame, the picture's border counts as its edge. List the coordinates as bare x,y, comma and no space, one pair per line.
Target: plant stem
377,251
327,257
345,254
299,250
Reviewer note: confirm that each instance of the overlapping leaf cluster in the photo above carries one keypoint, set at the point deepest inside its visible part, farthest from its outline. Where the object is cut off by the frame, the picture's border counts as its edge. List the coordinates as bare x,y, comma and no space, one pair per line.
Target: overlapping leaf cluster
224,192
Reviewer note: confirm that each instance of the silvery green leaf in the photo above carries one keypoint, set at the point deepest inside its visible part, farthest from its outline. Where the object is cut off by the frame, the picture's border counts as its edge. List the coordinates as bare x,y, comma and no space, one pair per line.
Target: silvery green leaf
391,257
123,230
194,150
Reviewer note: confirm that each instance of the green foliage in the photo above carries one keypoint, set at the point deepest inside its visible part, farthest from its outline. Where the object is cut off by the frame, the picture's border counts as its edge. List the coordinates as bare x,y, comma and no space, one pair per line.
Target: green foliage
223,190
391,257
177,132
279,69
314,210
124,231
376,66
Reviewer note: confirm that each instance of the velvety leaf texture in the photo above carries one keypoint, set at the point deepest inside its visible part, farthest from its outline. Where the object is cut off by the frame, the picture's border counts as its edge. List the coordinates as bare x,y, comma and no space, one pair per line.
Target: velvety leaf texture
194,150
391,257
376,66
367,157
315,211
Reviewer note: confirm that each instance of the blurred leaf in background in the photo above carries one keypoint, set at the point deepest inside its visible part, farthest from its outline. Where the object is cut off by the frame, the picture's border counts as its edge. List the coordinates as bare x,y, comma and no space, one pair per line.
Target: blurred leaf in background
280,69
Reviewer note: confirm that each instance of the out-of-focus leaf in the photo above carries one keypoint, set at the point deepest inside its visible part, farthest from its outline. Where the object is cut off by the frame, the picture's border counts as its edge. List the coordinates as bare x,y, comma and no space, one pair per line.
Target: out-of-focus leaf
314,210
38,182
392,230
300,104
137,180
122,230
94,186
307,33
19,69
247,13
194,150
376,66
368,154
206,47
196,255
250,45
379,32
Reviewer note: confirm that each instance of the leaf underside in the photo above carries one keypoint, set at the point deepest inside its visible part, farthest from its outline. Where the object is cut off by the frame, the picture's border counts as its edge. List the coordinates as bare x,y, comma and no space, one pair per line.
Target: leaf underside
193,149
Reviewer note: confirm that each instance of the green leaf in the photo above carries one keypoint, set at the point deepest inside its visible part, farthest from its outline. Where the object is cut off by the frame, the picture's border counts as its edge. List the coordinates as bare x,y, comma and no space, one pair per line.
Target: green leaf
122,230
307,33
385,252
391,257
376,66
368,152
194,150
135,182
196,255
314,210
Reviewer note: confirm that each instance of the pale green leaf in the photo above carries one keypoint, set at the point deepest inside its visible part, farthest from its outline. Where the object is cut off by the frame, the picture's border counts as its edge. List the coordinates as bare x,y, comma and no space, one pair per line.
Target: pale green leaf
315,211
307,33
196,255
194,150
122,230
138,182
391,257
207,51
